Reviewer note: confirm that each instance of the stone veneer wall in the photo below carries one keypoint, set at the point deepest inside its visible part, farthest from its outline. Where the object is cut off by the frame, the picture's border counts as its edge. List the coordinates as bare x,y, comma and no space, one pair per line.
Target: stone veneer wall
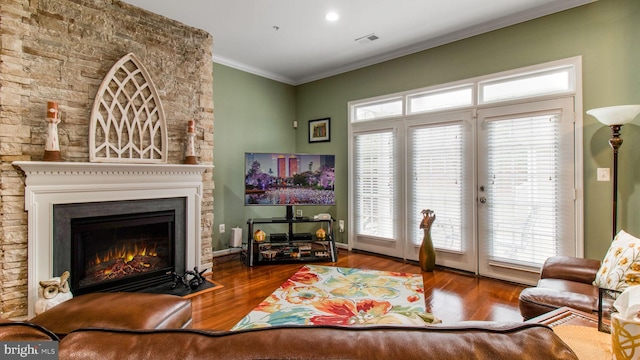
60,50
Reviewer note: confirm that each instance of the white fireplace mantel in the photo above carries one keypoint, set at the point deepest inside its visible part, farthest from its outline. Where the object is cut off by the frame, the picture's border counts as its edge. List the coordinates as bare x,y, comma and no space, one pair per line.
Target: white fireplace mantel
51,183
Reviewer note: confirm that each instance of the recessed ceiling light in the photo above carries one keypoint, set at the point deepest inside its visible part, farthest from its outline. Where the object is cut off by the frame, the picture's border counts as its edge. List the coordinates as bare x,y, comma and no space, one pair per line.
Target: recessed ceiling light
332,16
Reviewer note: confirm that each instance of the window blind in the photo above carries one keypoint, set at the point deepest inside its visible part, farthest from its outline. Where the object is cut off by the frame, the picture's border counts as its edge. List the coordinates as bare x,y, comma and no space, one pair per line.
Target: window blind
375,185
523,190
437,167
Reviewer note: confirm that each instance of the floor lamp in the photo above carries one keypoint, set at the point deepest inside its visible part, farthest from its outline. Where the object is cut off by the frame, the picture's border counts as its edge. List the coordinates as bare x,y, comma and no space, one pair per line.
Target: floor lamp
615,117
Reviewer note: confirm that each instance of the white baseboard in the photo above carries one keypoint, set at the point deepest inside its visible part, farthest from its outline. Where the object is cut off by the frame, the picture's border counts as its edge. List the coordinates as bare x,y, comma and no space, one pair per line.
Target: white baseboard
226,252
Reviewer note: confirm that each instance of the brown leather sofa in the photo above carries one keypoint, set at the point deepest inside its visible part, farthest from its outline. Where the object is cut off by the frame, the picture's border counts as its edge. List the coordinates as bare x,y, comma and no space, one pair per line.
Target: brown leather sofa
473,340
564,281
122,310
150,326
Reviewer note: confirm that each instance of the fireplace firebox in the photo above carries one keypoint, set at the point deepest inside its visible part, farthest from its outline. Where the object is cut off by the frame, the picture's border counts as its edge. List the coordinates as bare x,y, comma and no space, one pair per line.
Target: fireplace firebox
120,246
110,251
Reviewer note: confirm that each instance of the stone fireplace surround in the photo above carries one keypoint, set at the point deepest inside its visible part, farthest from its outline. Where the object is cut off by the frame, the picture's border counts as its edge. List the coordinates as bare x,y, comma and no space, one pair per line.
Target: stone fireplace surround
51,183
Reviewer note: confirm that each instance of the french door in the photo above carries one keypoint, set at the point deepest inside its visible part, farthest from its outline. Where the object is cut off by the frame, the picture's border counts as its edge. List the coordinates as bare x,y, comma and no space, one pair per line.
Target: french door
500,180
441,177
526,191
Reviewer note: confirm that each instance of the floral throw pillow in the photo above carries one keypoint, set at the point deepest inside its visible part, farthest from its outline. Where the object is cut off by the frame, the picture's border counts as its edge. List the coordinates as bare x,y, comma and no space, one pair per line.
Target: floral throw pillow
621,265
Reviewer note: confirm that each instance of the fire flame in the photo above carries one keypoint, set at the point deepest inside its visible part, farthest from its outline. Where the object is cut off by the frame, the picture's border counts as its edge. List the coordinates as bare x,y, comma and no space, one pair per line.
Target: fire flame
125,252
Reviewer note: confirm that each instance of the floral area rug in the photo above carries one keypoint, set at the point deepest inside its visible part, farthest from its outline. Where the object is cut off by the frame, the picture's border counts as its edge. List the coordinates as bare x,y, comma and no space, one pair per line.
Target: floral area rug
324,295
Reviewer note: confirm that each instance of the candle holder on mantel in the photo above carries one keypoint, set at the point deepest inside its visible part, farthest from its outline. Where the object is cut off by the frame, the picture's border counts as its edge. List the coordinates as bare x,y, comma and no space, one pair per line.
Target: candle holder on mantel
190,154
52,146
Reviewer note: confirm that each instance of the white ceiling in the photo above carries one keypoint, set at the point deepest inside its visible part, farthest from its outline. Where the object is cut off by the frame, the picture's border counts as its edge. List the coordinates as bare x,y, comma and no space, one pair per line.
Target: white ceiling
290,40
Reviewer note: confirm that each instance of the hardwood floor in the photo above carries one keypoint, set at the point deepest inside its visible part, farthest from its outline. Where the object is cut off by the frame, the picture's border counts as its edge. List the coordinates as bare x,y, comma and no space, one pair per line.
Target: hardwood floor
450,295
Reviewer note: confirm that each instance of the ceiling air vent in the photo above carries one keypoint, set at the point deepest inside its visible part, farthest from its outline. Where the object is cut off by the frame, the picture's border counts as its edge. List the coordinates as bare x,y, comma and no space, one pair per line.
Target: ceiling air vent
367,39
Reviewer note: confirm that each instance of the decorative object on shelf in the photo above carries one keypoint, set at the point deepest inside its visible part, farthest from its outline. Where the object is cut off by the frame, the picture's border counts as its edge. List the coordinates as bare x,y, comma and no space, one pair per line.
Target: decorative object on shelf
263,247
305,249
190,155
52,146
192,279
321,234
319,130
322,217
127,119
615,117
427,256
259,235
53,292
269,254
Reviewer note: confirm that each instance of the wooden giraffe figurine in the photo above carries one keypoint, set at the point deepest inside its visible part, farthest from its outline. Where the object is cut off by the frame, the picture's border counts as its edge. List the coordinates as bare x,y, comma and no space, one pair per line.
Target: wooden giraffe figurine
427,254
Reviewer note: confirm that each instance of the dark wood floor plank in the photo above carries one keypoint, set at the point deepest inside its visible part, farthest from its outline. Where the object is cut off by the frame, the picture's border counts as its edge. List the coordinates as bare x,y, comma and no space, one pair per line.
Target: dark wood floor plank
450,295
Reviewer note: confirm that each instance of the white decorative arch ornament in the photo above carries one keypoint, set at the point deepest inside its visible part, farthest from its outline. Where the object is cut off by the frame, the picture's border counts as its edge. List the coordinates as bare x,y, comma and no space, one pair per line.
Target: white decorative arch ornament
127,119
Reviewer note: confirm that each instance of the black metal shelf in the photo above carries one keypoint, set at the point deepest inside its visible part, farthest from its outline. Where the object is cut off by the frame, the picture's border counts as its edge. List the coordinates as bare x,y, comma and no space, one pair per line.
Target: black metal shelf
251,250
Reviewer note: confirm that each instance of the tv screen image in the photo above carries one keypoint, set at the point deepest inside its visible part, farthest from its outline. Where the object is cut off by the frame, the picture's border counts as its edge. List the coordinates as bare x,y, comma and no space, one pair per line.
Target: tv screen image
289,179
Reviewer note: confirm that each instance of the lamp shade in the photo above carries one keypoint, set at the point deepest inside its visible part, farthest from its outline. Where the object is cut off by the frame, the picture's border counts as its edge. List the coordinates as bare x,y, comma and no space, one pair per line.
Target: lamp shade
615,115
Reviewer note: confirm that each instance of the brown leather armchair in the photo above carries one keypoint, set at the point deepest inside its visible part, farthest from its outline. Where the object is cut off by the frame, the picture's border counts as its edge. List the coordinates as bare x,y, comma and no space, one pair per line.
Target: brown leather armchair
564,281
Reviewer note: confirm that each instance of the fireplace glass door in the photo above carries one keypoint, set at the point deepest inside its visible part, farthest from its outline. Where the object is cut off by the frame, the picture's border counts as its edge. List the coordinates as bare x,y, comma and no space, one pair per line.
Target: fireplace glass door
116,252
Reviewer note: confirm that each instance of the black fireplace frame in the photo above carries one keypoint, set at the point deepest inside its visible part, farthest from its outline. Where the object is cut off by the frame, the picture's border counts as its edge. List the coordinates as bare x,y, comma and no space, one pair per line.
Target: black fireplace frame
64,214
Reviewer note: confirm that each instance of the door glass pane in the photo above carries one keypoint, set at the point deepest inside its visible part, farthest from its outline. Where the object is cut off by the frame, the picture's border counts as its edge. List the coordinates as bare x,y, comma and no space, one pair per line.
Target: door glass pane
375,186
438,165
523,197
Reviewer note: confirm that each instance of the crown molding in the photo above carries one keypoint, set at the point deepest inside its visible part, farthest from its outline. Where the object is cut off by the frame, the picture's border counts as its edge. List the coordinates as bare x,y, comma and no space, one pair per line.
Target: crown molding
252,70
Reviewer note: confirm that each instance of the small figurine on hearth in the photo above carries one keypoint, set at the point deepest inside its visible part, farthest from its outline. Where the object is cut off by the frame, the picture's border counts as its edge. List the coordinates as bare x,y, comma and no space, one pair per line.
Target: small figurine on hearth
191,278
53,292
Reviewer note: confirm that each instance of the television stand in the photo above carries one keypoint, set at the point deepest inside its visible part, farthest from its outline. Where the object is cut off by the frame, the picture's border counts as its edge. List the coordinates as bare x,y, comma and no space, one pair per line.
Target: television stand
302,236
290,247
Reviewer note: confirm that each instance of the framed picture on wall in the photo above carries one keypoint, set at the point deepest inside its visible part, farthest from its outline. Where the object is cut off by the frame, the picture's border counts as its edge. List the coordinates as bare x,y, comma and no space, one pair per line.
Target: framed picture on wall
319,130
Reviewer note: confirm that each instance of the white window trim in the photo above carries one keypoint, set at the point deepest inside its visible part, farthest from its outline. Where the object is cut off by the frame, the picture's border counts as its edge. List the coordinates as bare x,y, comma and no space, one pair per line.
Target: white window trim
475,82
576,92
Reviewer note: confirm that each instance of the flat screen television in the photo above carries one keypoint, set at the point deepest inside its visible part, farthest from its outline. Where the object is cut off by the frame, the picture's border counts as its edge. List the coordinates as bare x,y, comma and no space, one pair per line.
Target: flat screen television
289,179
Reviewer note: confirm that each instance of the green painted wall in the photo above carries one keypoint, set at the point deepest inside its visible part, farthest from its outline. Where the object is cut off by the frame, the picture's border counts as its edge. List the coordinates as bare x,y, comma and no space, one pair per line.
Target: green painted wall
604,33
252,114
